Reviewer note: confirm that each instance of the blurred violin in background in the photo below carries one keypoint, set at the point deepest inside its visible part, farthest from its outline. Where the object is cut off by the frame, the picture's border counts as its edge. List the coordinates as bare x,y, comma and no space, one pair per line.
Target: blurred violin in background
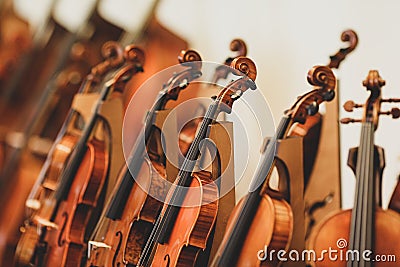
60,227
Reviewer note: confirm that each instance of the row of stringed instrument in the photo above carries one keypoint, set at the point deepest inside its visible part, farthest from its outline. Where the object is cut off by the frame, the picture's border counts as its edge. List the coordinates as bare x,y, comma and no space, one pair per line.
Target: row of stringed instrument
131,176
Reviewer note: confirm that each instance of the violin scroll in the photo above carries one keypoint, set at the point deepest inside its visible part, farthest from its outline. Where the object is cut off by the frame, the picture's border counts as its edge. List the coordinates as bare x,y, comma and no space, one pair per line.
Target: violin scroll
187,58
113,53
374,81
233,91
246,66
190,58
322,76
134,57
324,80
239,46
347,36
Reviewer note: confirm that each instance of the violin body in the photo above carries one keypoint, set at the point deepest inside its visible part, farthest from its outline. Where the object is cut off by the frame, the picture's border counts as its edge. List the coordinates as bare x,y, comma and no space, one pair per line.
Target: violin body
67,243
337,227
64,239
193,225
127,236
272,227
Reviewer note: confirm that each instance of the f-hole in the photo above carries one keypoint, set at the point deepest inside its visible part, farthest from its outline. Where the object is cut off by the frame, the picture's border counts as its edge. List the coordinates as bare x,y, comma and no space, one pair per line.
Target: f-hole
168,259
119,235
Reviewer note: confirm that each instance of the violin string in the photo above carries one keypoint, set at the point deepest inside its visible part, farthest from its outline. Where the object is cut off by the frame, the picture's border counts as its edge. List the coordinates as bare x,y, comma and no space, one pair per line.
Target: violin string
149,248
358,190
363,197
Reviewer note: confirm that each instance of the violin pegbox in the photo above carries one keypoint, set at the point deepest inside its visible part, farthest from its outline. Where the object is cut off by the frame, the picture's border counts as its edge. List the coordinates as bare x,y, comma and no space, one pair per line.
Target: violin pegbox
324,81
192,60
246,68
372,107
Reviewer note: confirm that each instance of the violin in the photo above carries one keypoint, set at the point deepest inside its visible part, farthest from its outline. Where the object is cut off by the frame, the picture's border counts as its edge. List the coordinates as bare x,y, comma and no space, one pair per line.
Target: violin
263,217
361,234
184,225
59,65
121,231
47,180
311,129
66,217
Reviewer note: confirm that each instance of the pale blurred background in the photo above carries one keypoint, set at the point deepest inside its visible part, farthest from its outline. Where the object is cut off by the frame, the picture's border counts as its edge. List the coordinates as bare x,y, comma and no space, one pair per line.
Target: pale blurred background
285,38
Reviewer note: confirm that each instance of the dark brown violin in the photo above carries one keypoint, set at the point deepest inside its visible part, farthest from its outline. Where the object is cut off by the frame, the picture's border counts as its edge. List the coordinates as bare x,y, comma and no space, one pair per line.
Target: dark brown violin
129,217
63,222
367,235
184,226
263,217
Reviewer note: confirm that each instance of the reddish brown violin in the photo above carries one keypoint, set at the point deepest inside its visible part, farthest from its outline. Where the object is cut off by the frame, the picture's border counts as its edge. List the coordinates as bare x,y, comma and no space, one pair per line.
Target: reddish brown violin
122,230
310,130
66,217
365,234
263,217
184,226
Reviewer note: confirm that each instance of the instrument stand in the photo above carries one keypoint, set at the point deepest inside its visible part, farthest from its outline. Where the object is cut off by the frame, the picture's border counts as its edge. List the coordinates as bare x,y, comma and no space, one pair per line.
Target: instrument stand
221,134
112,113
324,184
290,153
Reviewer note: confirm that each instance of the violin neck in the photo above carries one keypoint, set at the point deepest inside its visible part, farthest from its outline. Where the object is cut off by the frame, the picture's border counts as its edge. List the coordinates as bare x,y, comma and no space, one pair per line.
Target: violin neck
363,214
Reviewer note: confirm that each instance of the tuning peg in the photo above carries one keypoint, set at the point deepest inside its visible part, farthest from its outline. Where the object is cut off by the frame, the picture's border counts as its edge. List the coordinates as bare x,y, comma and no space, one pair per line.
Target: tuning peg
313,108
349,120
214,97
350,105
395,112
391,100
329,96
